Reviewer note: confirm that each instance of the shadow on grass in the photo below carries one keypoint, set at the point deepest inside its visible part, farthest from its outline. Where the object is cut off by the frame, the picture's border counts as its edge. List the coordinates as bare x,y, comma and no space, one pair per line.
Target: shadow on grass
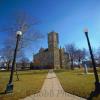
60,70
34,72
2,93
93,94
23,72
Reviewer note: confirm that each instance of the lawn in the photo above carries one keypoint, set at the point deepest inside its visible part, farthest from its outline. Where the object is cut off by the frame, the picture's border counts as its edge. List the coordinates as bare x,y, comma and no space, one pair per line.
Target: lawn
77,83
30,82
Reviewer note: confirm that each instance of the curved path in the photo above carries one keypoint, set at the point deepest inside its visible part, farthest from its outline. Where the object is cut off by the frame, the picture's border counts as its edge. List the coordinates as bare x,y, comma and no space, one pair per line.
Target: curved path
52,90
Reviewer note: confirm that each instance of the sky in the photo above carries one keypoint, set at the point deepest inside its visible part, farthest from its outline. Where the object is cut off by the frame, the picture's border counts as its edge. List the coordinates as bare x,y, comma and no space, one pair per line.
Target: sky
67,17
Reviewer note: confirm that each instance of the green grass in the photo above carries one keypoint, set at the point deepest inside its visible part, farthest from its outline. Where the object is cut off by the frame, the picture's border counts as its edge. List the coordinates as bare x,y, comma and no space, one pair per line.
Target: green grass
30,82
76,83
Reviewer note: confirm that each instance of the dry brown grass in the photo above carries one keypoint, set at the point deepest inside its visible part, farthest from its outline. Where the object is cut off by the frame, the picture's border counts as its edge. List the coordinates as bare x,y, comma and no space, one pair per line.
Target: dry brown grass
30,82
77,83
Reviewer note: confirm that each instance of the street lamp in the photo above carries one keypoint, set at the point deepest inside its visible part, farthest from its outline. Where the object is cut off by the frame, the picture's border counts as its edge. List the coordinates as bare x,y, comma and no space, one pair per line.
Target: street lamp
97,84
9,87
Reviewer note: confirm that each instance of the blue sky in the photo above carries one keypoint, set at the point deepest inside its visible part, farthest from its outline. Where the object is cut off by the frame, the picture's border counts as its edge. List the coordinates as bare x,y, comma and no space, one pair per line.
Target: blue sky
67,17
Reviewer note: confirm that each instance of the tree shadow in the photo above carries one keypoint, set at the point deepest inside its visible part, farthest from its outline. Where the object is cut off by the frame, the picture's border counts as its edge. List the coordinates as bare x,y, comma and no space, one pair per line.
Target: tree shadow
2,93
59,70
93,94
33,73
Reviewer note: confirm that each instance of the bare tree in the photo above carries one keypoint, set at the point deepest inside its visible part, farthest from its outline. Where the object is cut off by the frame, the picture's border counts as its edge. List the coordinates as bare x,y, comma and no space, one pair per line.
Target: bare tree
21,21
97,56
24,61
7,53
71,49
80,55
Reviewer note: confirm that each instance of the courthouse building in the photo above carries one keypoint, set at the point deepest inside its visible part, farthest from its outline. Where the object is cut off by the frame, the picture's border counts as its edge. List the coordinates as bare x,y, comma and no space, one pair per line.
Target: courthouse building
53,56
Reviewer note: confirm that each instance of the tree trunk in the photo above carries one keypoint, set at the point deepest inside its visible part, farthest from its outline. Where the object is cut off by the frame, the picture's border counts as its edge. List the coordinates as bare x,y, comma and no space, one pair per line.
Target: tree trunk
79,65
72,66
8,65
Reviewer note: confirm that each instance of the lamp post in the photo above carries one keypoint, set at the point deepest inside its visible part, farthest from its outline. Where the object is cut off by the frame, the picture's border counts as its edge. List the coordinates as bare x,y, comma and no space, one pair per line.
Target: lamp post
9,87
97,84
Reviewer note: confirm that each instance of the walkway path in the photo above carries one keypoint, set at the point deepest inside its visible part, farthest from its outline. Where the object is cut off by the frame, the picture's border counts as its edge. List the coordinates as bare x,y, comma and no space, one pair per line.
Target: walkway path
52,90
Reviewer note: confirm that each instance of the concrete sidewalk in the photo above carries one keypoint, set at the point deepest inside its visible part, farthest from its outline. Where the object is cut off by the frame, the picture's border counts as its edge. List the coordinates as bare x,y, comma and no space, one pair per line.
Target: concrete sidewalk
52,90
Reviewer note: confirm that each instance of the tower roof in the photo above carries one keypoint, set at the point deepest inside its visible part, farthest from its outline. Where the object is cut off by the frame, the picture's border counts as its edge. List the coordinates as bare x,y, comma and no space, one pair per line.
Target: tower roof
52,32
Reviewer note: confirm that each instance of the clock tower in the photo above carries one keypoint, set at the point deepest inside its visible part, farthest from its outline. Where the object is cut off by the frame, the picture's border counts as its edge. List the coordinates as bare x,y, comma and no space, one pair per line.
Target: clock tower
53,40
53,50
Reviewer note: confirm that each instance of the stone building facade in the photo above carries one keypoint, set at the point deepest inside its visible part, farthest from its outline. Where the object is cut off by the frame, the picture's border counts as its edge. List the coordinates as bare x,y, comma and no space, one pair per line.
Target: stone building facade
53,56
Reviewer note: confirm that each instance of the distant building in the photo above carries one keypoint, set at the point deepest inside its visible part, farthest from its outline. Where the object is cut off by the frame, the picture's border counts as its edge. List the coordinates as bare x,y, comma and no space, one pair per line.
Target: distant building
22,66
53,56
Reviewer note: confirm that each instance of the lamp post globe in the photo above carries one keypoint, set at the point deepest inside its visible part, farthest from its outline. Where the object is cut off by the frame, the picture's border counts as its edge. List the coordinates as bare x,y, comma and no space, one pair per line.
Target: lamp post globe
19,33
